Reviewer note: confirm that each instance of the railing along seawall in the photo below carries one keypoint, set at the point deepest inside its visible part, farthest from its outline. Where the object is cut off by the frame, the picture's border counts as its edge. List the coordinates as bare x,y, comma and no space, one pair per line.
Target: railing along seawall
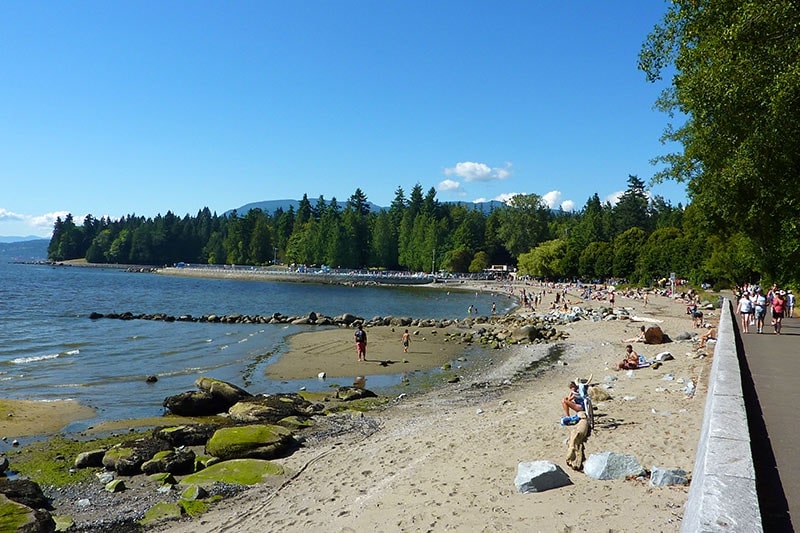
723,496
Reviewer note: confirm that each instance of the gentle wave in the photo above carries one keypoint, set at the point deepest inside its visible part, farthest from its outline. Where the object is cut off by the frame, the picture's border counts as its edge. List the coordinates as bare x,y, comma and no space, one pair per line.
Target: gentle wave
36,358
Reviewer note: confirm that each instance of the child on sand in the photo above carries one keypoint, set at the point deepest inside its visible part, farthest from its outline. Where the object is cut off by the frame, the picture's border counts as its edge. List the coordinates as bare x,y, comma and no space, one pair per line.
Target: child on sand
573,400
360,337
406,341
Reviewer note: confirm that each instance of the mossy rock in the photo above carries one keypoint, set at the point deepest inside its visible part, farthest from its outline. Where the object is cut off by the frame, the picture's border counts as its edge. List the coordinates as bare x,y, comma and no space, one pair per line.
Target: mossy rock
235,471
362,406
204,461
163,478
63,523
193,508
295,422
161,511
116,485
259,441
194,492
15,516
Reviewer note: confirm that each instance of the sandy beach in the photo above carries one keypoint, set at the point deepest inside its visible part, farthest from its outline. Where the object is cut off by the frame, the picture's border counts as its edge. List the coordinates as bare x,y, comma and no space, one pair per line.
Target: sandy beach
445,460
333,352
26,418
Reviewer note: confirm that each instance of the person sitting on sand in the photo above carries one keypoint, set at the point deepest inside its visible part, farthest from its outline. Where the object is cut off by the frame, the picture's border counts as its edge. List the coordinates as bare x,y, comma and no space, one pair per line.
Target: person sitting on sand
638,338
710,334
573,400
631,361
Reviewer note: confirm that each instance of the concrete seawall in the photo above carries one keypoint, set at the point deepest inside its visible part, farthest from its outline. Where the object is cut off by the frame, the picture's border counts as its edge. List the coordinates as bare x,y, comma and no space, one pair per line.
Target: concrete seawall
723,493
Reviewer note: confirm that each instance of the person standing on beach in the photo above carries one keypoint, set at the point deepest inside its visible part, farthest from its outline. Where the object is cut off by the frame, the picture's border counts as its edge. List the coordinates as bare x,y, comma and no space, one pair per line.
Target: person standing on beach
361,343
406,341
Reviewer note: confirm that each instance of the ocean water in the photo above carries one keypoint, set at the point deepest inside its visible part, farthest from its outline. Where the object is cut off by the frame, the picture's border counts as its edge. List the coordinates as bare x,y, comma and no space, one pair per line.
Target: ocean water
50,349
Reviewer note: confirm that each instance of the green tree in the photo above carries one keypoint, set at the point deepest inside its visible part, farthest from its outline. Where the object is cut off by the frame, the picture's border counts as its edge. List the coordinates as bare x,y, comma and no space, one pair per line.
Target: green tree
627,246
523,223
479,263
736,80
631,210
458,260
544,261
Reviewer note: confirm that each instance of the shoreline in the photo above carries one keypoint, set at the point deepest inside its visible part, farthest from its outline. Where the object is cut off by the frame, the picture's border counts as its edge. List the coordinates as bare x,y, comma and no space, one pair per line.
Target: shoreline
461,442
445,459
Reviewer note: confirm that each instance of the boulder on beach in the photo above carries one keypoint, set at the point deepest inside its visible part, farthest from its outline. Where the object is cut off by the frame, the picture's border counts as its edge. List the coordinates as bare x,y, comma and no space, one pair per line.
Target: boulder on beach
610,465
185,435
269,409
195,403
235,471
653,335
213,397
170,461
92,458
353,393
663,477
228,392
258,441
19,517
538,476
126,459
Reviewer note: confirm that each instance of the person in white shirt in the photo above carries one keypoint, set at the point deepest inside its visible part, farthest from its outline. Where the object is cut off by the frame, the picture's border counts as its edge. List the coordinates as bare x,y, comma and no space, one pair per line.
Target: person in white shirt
745,309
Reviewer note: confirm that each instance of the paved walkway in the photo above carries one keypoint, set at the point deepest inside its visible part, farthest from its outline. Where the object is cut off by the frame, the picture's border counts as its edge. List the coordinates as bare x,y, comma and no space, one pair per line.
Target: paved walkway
773,405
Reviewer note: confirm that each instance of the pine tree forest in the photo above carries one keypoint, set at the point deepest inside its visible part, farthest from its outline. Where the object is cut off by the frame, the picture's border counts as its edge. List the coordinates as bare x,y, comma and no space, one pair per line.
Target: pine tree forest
639,239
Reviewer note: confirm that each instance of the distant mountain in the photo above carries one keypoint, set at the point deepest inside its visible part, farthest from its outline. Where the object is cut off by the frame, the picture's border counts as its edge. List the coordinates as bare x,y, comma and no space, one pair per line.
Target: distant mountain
270,206
4,239
483,207
30,250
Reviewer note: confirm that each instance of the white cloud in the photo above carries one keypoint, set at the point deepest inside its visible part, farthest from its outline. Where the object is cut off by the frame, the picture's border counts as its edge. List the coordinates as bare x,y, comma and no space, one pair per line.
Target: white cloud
48,219
36,224
448,185
472,171
5,215
568,205
613,198
506,196
552,199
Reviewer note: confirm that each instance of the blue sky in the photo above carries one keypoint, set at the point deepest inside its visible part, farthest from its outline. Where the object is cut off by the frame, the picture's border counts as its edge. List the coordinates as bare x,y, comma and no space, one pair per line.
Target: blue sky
114,108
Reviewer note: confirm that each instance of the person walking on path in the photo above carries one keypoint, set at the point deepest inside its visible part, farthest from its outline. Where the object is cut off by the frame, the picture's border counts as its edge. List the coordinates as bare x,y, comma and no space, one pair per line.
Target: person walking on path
745,309
361,343
760,309
406,341
778,309
790,304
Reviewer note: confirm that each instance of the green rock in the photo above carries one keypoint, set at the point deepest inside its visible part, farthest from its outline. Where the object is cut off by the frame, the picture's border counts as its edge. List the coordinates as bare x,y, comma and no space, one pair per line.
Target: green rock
204,461
113,456
63,523
162,455
254,442
163,478
295,422
193,508
15,516
161,511
236,471
116,485
194,492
